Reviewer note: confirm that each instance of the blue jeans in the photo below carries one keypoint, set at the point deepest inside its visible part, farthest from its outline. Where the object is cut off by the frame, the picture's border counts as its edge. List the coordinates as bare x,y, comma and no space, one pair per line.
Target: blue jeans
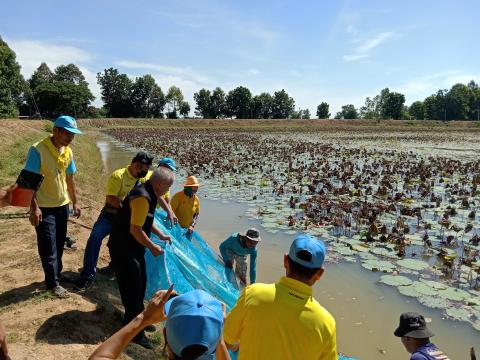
102,228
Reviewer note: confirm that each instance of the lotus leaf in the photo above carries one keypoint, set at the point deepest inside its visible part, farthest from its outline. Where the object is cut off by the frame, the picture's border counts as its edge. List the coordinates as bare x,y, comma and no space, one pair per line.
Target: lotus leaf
413,264
395,280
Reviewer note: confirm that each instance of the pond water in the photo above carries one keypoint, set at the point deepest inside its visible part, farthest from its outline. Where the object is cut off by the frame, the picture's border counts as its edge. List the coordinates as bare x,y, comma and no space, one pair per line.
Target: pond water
366,312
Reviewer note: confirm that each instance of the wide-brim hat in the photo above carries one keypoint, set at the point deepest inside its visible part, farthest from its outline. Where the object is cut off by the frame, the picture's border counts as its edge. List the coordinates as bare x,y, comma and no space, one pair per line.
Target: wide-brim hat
252,234
192,182
413,325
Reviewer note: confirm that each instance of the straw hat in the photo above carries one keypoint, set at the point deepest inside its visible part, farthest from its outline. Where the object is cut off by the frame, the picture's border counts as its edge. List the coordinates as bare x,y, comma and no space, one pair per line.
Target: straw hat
192,181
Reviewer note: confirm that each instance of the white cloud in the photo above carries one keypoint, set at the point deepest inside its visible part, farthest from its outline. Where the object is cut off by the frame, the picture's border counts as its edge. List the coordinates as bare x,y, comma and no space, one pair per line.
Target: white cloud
31,53
363,50
423,86
253,71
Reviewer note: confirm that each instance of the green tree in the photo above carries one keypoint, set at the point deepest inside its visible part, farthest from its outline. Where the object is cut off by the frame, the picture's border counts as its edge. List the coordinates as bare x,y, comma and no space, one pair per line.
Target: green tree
174,100
262,106
435,106
218,103
306,114
474,100
41,75
283,105
184,109
203,99
348,112
457,102
12,83
116,93
323,111
417,110
64,91
147,98
239,103
392,105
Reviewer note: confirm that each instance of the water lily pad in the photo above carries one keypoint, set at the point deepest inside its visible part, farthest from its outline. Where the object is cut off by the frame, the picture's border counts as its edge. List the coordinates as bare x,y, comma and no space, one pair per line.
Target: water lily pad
460,314
378,265
395,280
435,302
424,289
434,284
454,294
413,264
409,291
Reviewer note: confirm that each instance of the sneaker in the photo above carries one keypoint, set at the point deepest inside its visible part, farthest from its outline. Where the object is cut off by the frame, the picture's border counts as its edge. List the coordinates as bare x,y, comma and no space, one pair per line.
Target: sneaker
150,328
83,284
143,341
60,292
106,271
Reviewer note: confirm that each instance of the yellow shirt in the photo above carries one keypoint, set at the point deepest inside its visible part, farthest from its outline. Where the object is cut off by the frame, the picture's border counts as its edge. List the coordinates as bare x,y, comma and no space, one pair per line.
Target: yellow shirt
281,321
185,208
55,166
121,181
139,207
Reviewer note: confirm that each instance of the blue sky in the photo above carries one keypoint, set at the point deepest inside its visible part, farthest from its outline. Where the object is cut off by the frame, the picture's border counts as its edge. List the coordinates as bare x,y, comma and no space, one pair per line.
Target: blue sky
334,51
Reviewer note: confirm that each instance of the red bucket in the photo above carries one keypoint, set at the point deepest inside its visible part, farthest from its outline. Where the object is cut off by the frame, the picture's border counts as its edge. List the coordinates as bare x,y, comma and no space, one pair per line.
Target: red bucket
22,197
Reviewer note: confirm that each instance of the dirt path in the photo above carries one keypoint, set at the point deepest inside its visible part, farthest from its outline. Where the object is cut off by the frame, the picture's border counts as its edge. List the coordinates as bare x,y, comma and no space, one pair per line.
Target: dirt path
40,326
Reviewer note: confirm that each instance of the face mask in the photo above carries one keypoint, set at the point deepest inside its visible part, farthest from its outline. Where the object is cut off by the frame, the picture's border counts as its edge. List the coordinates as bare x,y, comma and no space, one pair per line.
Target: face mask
188,191
142,174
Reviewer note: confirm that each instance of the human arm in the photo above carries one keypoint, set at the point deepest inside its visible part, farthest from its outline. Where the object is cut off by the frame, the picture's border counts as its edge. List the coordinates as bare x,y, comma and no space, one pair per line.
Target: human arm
72,192
154,313
225,254
139,208
191,228
253,266
33,163
6,195
329,351
233,326
160,234
3,341
113,189
165,205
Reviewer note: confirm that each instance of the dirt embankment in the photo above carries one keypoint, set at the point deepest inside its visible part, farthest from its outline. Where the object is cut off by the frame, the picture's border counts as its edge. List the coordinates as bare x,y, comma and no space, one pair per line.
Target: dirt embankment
38,325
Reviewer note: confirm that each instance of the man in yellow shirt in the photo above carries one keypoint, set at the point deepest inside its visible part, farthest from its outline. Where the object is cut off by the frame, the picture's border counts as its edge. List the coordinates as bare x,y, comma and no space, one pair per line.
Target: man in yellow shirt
186,205
130,236
119,184
283,320
53,158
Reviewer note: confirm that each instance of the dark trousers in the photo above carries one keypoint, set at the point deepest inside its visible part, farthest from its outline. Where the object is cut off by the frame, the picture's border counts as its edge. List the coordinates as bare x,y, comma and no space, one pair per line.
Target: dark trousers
51,235
132,281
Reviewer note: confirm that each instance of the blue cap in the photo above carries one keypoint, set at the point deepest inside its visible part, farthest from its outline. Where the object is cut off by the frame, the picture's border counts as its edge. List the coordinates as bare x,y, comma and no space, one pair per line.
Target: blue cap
68,123
315,247
194,318
168,162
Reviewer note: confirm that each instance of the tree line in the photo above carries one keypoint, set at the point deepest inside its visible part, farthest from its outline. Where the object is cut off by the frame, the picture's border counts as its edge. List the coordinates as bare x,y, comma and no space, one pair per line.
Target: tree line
64,90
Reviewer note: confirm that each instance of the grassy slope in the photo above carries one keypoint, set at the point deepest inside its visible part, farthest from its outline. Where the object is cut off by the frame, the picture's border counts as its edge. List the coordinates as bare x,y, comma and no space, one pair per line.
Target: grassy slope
38,325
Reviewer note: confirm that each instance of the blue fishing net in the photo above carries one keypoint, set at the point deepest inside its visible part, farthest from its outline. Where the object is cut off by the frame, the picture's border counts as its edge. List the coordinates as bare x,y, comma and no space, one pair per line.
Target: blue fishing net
189,263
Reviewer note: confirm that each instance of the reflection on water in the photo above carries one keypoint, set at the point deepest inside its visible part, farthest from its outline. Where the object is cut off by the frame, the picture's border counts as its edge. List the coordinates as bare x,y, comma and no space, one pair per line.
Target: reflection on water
366,312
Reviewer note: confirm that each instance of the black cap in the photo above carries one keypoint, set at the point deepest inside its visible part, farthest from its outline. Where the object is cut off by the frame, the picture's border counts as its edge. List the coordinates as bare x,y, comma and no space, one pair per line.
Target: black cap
143,157
413,325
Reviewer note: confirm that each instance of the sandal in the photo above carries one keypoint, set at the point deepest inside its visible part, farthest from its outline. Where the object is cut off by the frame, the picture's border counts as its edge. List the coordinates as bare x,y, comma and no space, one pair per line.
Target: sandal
60,292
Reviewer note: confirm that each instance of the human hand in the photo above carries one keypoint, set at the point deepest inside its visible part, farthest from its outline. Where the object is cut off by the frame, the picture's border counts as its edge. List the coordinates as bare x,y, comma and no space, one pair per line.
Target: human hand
156,250
3,341
154,312
190,229
76,210
173,219
167,238
6,195
35,216
243,280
